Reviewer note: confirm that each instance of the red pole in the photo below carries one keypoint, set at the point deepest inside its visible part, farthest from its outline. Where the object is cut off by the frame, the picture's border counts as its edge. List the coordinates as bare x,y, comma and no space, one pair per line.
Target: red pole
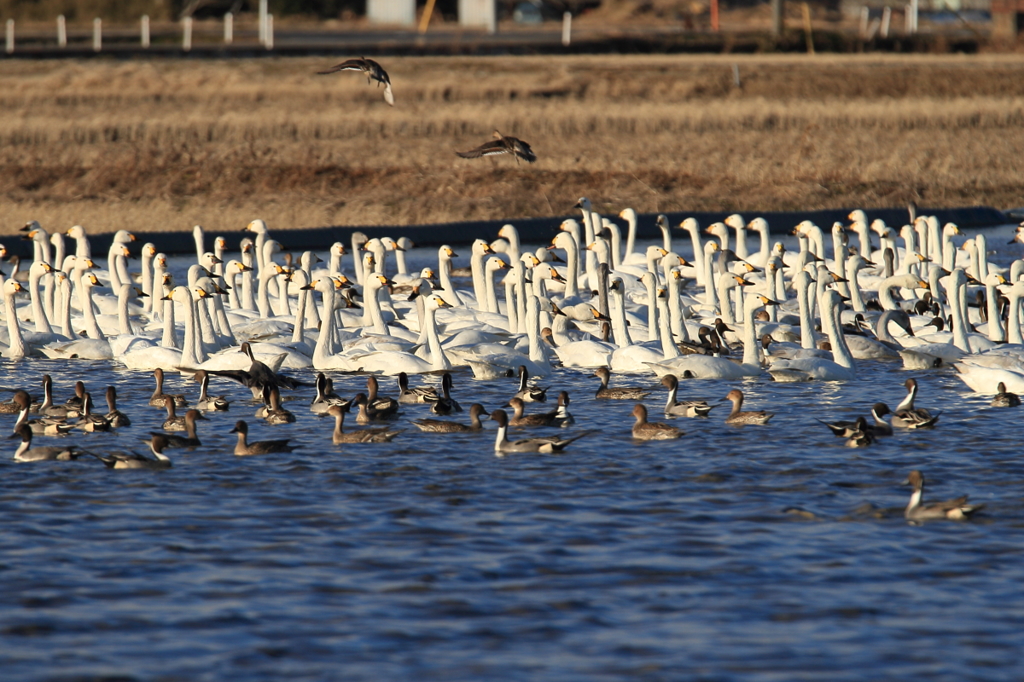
714,15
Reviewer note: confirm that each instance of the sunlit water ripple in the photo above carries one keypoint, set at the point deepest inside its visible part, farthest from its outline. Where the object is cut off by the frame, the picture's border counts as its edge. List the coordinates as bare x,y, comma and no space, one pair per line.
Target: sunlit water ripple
430,558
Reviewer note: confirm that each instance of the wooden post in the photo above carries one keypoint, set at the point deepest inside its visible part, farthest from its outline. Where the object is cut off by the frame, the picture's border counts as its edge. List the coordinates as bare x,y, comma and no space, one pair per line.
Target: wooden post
778,17
912,17
566,28
807,28
865,13
97,34
714,15
186,34
886,21
270,32
263,22
428,12
145,30
229,28
9,45
62,31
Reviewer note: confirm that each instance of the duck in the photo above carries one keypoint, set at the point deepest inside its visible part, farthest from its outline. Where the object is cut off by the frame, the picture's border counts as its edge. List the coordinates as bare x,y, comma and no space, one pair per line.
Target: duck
43,426
27,453
90,422
325,396
605,392
116,417
445,404
206,402
562,416
77,401
190,439
476,410
260,447
48,409
369,68
274,413
645,430
956,509
538,419
1004,398
173,421
907,416
378,435
158,397
366,413
408,396
545,445
133,460
846,429
738,416
527,393
682,408
258,375
382,406
861,436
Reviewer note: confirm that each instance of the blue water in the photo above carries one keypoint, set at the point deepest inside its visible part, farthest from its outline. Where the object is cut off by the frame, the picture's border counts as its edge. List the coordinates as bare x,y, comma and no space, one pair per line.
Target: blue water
431,559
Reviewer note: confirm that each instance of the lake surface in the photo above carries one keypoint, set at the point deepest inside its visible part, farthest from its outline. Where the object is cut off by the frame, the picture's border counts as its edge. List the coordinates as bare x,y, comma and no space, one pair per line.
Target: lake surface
754,553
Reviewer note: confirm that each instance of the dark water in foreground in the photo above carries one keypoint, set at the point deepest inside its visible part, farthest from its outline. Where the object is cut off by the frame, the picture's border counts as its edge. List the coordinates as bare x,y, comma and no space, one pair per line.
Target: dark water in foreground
432,559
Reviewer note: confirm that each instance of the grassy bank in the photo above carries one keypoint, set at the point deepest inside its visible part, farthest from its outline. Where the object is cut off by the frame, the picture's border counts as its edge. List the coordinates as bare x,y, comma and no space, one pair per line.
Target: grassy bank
162,145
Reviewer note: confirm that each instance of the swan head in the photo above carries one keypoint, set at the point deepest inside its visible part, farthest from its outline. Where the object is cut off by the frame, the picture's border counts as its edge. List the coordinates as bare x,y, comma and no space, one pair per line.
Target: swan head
390,244
481,247
858,216
628,214
583,203
736,222
338,249
12,287
716,230
509,232
436,302
258,226
495,264
445,252
662,221
76,232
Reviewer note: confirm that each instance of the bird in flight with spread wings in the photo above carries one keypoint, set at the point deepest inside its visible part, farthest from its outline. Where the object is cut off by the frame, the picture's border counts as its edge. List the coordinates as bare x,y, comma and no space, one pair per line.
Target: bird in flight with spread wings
373,72
502,144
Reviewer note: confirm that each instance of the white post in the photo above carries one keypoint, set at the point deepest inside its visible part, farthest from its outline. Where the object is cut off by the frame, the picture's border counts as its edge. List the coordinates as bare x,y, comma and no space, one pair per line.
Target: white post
864,14
270,31
97,34
9,48
145,30
62,31
566,28
492,20
229,28
186,34
263,22
912,17
886,20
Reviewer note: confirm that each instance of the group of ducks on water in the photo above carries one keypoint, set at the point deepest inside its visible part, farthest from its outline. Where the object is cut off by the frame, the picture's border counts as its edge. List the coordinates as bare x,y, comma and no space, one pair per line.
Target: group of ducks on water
604,305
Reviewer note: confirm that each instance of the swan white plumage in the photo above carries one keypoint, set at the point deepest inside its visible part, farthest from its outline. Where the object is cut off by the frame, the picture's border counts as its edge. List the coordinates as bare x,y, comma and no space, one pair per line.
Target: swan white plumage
840,368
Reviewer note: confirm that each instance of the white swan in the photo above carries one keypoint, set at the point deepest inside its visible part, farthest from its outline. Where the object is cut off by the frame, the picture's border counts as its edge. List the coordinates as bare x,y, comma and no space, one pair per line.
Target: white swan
840,368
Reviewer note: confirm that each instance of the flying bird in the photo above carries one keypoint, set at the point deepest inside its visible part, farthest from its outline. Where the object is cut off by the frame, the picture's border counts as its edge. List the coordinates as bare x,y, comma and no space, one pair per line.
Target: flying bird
502,144
373,72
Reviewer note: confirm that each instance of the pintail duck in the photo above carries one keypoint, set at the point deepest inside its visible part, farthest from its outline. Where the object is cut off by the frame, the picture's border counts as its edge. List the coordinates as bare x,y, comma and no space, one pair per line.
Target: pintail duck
90,422
206,402
43,426
906,416
618,393
738,416
116,417
527,393
273,413
258,375
77,401
366,413
325,396
378,435
645,430
414,395
371,69
190,439
476,410
260,447
707,343
48,409
157,399
846,429
445,404
502,144
133,460
381,406
27,453
956,509
682,408
1004,398
860,435
562,416
537,419
173,421
545,445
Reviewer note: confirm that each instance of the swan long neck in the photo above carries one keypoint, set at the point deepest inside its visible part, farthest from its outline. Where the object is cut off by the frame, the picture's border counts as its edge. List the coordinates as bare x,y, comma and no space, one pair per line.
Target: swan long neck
652,308
42,320
995,322
830,320
750,353
698,254
476,266
803,283
124,323
710,290
669,349
491,295
16,349
856,298
437,355
618,314
630,238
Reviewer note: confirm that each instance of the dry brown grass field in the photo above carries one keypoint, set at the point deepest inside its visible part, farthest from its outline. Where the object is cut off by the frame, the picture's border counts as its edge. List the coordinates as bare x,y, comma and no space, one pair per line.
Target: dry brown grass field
156,145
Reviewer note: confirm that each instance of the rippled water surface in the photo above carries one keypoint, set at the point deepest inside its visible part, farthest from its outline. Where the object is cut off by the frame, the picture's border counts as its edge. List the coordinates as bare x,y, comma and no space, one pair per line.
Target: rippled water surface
430,558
